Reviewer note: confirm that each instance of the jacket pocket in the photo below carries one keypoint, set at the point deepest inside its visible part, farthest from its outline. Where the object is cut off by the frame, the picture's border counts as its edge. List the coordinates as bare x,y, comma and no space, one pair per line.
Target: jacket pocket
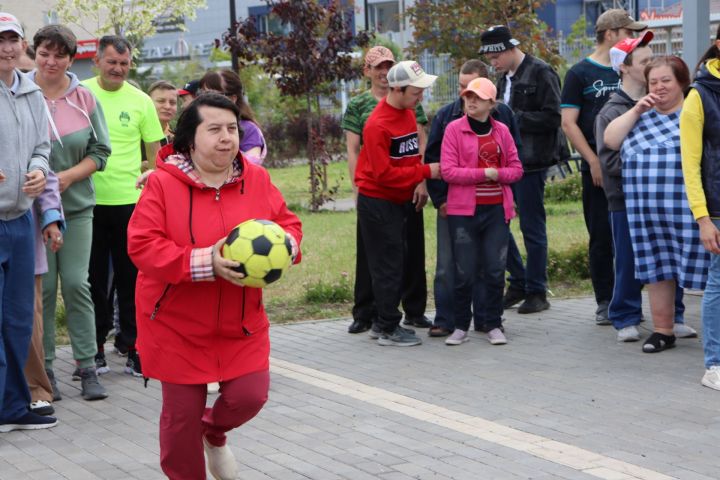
160,301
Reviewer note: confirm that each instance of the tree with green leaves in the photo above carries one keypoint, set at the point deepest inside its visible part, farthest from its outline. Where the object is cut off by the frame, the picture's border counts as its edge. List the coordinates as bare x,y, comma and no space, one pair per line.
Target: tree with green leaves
306,62
134,20
454,27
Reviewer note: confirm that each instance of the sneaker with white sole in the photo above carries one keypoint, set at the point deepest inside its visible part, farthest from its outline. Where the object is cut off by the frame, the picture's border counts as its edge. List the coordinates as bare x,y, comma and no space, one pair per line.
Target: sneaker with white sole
374,332
220,461
496,337
457,337
628,334
41,407
400,337
711,379
101,366
29,421
682,330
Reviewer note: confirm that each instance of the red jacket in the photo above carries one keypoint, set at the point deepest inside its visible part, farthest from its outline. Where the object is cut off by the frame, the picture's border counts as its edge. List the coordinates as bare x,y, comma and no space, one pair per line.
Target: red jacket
203,331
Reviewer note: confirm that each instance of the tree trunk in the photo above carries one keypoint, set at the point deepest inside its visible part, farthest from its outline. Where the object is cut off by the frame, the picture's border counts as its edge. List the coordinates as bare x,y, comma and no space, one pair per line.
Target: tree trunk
314,201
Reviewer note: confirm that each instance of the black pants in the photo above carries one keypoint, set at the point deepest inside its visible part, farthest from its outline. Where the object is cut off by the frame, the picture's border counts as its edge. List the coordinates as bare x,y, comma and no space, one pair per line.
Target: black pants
393,247
595,210
414,291
110,223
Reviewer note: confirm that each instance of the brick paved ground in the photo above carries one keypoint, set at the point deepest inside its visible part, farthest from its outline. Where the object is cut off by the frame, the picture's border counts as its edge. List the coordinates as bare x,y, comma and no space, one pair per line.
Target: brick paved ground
562,400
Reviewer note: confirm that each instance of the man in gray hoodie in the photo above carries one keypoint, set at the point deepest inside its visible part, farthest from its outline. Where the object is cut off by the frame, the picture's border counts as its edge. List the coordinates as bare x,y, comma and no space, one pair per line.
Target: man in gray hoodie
25,148
629,58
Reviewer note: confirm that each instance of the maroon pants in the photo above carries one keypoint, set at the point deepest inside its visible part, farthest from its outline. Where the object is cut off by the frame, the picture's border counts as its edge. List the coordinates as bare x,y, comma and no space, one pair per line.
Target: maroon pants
185,420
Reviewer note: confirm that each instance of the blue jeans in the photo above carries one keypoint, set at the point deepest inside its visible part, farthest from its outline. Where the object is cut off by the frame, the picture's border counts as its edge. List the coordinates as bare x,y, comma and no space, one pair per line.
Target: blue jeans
17,287
711,312
626,304
529,195
480,251
444,283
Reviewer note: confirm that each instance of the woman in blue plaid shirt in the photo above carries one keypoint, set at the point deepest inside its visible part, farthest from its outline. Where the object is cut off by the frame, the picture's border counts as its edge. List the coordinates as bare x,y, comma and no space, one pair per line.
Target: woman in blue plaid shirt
665,239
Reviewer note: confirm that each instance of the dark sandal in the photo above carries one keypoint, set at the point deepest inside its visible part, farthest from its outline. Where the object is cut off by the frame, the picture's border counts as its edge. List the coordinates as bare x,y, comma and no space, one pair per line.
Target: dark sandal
438,332
657,342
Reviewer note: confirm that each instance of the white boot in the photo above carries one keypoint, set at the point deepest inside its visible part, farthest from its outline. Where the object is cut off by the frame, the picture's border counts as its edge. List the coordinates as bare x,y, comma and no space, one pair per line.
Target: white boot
220,461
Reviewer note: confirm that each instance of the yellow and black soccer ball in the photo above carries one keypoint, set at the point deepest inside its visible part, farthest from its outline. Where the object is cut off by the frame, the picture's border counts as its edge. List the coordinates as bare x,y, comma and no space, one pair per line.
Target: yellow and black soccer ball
262,249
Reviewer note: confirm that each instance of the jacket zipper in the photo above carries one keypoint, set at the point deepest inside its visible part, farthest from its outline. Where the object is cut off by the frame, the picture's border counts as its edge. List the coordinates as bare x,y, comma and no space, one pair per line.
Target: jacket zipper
157,304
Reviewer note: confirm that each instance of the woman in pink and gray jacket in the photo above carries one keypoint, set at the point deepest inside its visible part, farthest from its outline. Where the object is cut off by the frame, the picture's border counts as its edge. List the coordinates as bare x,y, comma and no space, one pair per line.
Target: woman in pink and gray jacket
479,161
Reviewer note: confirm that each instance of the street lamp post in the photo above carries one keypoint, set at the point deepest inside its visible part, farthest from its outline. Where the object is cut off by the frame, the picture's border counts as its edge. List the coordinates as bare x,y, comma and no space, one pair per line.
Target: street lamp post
233,31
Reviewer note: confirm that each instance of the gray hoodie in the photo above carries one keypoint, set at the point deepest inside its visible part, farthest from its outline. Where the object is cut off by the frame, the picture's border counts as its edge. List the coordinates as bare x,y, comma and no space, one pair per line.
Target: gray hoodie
610,161
24,143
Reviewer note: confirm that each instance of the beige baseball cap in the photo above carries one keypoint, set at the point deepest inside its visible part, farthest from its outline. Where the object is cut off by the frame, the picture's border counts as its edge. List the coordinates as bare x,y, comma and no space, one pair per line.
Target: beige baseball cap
617,18
409,74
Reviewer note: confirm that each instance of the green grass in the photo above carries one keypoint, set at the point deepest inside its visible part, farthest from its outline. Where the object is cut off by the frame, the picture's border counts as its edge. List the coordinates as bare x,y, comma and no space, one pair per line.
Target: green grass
321,286
318,287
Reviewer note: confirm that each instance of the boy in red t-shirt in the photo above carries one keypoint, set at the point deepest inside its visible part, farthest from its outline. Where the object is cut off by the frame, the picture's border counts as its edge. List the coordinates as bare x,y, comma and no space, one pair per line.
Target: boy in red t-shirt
390,179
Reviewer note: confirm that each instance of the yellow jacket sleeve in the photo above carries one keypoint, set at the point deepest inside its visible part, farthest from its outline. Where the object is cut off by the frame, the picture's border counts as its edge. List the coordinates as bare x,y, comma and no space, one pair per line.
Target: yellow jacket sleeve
692,120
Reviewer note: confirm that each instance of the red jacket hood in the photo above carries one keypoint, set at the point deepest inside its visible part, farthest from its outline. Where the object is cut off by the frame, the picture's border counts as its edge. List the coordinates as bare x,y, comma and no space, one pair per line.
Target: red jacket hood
169,150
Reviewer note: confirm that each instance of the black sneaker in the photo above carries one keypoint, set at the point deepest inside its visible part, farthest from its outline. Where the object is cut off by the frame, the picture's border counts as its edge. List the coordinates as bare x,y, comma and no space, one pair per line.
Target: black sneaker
535,302
101,366
53,383
91,388
601,314
41,407
419,322
399,338
132,366
512,297
29,421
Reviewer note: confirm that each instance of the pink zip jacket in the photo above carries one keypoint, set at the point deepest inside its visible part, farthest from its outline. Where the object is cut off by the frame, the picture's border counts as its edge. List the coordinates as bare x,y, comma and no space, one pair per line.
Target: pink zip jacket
459,160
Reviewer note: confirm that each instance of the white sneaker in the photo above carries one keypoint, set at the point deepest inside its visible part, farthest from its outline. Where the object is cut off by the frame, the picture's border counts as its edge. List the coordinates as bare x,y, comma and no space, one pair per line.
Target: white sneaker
682,330
213,388
220,461
711,378
628,334
457,337
496,337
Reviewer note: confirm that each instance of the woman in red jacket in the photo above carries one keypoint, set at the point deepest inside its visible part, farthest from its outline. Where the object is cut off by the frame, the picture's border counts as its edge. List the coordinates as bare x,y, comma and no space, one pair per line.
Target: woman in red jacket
196,324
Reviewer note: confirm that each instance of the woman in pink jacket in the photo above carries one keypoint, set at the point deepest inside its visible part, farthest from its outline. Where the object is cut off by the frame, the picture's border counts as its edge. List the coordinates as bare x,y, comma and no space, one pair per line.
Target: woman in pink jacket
479,161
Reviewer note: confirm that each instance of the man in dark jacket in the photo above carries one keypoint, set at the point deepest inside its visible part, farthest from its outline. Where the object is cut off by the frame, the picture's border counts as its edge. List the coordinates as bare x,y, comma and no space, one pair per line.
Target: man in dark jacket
444,284
532,89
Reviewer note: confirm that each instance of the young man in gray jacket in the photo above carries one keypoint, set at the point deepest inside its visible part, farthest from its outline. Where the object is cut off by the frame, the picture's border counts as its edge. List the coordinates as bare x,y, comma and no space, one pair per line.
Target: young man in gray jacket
25,148
628,57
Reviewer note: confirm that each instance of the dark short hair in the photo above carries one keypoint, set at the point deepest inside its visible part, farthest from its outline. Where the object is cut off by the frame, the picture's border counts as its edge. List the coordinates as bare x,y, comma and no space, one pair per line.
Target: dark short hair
56,36
474,66
190,119
161,85
120,44
676,64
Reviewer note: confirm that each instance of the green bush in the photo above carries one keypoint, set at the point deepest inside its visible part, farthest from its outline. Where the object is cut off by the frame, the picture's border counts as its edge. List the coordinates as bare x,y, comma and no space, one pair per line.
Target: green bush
569,189
569,264
324,292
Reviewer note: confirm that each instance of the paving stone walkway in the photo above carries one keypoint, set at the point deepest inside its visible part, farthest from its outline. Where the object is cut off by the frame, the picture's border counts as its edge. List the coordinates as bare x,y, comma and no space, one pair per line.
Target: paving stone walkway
563,400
